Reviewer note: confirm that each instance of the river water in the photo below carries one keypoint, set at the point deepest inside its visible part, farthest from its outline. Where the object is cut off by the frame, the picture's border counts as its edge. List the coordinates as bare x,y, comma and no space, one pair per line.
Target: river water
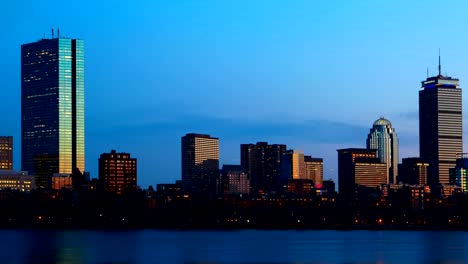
244,246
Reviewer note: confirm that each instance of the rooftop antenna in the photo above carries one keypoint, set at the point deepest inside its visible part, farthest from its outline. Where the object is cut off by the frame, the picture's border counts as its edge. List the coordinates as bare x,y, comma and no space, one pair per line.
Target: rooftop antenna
440,68
52,32
58,32
427,72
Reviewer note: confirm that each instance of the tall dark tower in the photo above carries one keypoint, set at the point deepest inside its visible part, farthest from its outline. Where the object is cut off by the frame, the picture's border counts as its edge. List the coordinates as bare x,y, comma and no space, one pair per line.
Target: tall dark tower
52,108
200,163
262,163
440,125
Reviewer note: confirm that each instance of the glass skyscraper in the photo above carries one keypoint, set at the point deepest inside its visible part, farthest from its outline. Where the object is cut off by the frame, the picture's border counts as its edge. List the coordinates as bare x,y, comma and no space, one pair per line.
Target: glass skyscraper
52,108
383,138
440,126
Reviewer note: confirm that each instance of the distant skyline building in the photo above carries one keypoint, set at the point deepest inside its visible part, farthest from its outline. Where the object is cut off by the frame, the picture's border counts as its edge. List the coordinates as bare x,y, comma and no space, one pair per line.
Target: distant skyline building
234,180
16,180
118,172
357,166
6,153
52,108
314,170
293,166
383,138
413,171
460,172
200,163
62,180
440,125
262,162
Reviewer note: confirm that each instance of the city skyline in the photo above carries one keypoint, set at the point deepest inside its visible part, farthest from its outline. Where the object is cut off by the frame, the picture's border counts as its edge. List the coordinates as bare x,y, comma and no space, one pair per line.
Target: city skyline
243,85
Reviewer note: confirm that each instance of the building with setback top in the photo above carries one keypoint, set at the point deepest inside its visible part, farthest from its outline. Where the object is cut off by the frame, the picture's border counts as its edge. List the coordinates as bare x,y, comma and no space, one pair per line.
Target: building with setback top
357,166
382,137
200,163
440,125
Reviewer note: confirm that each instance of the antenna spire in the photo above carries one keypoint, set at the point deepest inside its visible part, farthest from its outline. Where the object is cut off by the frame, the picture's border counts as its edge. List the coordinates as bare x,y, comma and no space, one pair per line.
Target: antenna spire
440,68
52,32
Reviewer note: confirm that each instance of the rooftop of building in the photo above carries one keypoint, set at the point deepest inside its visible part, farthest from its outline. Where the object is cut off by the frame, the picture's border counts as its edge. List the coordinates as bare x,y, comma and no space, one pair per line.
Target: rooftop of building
382,122
356,150
227,167
197,135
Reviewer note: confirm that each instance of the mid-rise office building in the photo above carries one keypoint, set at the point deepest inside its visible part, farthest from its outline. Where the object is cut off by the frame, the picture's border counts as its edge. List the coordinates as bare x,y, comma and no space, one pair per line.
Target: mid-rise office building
262,162
440,125
52,108
200,163
382,137
16,180
314,170
413,171
234,180
6,153
118,172
358,166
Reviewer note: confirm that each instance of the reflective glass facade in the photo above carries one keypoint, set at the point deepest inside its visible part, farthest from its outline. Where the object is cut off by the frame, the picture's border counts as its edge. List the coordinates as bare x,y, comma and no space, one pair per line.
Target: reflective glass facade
383,138
52,108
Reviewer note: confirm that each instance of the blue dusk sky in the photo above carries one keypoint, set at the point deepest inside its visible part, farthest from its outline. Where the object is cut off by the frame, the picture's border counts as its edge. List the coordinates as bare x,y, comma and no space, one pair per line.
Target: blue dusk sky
311,74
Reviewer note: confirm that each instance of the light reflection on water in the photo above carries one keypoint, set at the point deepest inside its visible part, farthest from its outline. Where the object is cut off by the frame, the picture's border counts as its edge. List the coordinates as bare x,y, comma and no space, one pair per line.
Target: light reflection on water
247,246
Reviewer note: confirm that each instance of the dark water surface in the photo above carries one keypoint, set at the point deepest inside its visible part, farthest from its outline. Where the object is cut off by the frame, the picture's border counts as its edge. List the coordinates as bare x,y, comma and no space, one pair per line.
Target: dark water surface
247,246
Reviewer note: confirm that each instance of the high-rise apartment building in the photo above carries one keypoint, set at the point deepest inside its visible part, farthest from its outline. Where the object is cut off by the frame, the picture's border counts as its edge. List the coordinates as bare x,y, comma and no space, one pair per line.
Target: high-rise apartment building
382,137
6,153
358,166
200,163
118,172
52,108
440,125
262,162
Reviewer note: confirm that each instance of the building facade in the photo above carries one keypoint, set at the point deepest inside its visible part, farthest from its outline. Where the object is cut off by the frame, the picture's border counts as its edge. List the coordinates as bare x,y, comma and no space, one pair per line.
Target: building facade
52,108
200,163
314,170
234,180
16,180
293,165
460,172
6,153
62,180
413,171
357,166
262,162
440,125
118,172
383,138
